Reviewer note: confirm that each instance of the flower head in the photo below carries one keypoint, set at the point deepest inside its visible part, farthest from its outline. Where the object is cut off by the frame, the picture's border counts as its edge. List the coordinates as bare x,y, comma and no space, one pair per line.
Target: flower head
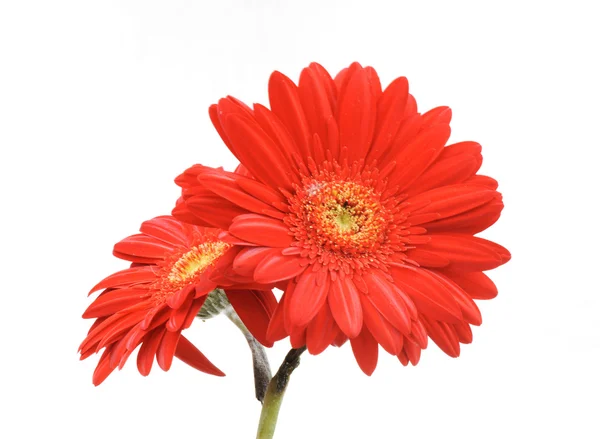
153,301
352,200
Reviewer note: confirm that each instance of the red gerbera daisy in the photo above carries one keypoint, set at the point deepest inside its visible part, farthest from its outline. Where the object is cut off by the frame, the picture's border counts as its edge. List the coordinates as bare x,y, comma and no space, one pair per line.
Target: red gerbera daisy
357,203
150,303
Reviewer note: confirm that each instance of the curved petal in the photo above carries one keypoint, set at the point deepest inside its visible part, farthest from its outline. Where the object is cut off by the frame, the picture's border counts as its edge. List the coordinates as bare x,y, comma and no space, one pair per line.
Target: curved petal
279,267
166,349
315,95
147,352
261,230
321,331
189,354
466,253
256,150
390,113
384,297
430,296
165,228
448,201
476,284
226,186
255,309
365,351
356,116
344,301
285,104
414,158
127,278
455,164
386,335
307,299
142,247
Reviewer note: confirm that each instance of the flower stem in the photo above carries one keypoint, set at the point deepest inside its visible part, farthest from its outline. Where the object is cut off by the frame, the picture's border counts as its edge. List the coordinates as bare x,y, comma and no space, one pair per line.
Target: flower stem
260,361
275,392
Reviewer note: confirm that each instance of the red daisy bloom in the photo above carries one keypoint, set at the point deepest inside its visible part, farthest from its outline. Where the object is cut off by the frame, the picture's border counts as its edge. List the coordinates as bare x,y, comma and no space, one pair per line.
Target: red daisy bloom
150,303
355,201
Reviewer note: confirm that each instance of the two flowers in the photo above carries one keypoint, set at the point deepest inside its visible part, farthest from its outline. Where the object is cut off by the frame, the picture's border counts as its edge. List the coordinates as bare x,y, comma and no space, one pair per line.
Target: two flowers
347,199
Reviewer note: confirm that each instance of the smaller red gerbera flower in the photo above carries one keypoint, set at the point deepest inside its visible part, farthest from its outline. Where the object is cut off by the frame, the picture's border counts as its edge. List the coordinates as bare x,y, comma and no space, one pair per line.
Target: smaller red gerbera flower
150,303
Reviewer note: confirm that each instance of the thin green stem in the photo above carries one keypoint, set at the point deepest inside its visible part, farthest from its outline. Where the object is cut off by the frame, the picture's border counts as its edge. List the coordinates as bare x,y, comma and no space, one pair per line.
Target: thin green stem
275,392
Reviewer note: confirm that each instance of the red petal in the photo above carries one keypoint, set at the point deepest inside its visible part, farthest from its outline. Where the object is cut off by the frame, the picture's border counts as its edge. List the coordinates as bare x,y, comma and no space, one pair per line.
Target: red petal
255,309
344,301
142,246
184,214
448,201
249,257
285,104
365,351
113,301
340,339
438,115
470,311
298,338
413,352
280,135
384,297
431,297
455,164
165,228
276,330
321,331
390,113
189,354
476,284
179,314
277,268
214,210
463,332
357,116
470,222
314,95
443,335
127,278
427,258
227,187
414,158
307,299
386,335
148,350
256,150
193,311
483,180
467,253
261,230
104,369
166,349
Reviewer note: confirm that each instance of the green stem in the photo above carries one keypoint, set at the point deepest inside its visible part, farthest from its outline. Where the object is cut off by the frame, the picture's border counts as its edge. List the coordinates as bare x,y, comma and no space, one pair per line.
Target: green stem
275,392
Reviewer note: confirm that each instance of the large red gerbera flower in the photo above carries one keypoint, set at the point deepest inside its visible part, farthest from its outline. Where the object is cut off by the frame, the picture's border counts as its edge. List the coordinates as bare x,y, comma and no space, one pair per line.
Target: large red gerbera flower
150,303
355,200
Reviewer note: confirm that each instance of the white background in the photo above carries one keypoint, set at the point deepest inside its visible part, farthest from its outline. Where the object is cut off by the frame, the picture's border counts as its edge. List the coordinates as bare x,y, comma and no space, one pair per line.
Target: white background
102,104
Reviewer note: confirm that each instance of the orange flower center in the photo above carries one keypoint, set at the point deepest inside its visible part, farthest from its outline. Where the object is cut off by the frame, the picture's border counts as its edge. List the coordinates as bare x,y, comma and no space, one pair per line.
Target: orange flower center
341,221
344,216
183,269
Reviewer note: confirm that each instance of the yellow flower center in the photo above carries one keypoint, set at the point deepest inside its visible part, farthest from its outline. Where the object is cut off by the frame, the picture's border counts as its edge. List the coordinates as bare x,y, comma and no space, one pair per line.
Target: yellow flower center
184,269
344,215
195,261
